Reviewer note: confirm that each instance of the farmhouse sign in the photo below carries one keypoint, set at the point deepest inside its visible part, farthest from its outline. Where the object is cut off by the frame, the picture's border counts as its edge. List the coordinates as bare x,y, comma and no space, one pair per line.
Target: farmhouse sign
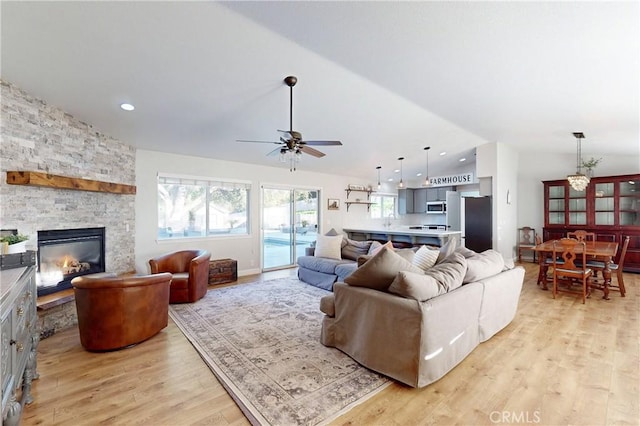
459,179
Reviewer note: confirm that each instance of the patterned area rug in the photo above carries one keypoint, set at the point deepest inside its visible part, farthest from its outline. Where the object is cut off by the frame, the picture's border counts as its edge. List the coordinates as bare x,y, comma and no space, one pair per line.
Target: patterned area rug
262,341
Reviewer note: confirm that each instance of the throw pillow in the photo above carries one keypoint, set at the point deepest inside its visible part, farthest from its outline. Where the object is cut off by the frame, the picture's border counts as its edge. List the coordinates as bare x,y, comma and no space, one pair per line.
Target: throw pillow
375,245
353,249
379,271
467,253
446,250
388,244
425,258
483,265
328,247
441,278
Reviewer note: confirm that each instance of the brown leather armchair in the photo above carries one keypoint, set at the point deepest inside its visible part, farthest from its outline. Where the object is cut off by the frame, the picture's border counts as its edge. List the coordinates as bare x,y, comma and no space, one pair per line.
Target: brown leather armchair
119,311
190,270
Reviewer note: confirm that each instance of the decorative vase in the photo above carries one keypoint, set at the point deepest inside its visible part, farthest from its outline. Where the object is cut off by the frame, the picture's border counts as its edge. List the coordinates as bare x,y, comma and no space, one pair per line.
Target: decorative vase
18,247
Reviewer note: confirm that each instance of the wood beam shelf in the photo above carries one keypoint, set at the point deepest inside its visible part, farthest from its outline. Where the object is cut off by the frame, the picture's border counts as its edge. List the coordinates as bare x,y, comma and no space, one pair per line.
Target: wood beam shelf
65,182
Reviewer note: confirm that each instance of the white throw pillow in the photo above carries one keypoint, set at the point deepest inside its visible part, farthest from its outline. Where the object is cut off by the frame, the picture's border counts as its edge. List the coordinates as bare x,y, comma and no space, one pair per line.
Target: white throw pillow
328,246
425,258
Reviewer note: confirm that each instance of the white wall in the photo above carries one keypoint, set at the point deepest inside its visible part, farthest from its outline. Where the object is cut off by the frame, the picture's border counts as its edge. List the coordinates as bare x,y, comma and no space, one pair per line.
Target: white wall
246,250
499,162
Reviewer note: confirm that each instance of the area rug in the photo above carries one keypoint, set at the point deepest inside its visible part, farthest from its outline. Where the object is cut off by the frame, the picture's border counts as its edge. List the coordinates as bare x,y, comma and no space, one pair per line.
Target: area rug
262,341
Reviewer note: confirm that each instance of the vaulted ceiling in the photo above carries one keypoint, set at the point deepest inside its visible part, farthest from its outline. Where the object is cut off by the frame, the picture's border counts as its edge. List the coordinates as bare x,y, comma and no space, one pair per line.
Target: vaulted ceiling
385,78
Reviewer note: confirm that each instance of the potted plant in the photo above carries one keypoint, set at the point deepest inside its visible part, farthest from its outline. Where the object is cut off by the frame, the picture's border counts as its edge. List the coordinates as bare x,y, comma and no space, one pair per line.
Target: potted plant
16,243
591,164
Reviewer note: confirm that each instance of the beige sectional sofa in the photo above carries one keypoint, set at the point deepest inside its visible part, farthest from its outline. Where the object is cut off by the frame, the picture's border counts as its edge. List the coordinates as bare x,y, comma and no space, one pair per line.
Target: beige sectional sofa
418,331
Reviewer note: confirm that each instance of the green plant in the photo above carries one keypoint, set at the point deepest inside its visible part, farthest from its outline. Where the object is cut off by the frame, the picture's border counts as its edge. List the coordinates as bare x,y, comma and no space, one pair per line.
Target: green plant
14,239
591,163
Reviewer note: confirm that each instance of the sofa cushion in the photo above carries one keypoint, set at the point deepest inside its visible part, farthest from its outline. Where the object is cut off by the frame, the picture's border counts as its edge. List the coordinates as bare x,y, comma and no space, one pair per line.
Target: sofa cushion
380,271
483,265
345,269
328,246
353,249
442,278
425,258
320,264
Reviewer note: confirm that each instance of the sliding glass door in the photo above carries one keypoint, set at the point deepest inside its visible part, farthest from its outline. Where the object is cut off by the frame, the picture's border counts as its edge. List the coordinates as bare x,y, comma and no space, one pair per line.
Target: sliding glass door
289,224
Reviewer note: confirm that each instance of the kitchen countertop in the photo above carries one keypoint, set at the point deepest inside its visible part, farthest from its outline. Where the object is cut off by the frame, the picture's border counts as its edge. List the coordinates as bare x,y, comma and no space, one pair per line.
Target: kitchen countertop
404,231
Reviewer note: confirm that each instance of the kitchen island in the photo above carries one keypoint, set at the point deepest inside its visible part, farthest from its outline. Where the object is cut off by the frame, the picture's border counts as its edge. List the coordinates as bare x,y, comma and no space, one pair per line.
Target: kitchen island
404,234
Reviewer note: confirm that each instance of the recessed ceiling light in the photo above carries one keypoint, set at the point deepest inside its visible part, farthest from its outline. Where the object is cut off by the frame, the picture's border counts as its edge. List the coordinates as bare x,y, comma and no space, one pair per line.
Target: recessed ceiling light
418,174
127,107
396,171
390,179
443,153
462,159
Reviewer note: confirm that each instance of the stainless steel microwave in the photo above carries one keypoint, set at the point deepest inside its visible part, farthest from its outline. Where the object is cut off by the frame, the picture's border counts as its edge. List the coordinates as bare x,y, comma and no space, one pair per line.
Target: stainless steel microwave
436,207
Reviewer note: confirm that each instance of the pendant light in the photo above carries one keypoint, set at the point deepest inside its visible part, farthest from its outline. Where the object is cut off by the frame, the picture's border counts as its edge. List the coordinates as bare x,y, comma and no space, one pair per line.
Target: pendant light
378,168
578,181
427,182
401,184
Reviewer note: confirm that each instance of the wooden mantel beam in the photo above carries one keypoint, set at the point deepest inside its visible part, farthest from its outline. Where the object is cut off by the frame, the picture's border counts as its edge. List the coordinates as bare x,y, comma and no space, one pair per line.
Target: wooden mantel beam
64,182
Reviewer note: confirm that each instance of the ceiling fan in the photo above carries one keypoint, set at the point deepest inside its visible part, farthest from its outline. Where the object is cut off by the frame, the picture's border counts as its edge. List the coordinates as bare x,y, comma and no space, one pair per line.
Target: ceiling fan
292,146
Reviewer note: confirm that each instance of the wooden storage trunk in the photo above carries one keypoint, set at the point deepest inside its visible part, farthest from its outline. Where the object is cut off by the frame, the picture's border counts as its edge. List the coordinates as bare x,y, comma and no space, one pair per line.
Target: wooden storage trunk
223,271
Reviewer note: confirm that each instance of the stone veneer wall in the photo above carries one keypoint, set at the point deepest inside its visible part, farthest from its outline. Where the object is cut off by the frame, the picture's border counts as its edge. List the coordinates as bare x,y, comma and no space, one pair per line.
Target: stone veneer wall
36,136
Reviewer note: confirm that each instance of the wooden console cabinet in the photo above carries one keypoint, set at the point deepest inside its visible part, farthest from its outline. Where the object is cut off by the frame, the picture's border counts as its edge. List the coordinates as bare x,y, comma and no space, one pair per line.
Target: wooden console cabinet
19,340
609,207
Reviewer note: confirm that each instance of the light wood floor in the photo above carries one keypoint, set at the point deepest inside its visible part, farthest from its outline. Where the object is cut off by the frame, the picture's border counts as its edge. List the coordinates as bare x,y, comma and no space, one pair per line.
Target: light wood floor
558,363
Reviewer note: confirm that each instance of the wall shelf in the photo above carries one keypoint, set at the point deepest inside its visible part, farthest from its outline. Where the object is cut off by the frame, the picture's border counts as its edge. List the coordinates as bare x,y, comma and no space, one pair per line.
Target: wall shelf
368,204
65,182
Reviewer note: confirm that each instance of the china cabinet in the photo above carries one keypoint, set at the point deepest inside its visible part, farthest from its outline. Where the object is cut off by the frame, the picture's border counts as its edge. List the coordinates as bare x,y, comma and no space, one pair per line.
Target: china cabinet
609,207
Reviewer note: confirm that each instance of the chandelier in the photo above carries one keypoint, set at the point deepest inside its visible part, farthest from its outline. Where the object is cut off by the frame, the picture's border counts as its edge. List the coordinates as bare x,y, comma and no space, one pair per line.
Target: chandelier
291,156
579,181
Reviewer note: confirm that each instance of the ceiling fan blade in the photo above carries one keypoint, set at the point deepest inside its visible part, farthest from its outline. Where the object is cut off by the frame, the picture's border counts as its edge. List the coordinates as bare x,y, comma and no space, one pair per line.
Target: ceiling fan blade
311,151
274,152
244,140
324,143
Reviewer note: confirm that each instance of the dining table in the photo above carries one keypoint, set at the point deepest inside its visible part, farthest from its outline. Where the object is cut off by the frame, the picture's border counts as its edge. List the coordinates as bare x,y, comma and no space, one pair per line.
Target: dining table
603,251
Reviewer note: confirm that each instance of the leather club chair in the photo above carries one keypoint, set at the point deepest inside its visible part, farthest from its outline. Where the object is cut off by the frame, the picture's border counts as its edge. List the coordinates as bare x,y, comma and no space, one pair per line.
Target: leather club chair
119,311
190,270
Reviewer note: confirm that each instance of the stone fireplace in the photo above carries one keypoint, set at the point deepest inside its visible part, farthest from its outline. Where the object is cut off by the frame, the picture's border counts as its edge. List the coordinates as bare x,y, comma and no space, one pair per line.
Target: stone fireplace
68,253
39,137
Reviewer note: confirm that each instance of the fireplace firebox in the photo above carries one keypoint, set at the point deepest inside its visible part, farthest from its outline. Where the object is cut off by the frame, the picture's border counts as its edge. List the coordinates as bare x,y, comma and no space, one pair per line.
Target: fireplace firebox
64,254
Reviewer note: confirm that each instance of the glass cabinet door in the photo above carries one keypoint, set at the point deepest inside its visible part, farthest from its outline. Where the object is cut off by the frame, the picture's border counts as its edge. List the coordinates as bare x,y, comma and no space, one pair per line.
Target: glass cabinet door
577,207
630,203
604,204
556,205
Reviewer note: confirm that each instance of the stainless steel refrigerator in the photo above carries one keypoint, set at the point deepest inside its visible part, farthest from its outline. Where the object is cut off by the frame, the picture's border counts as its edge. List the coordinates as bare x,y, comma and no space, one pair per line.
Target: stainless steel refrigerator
477,231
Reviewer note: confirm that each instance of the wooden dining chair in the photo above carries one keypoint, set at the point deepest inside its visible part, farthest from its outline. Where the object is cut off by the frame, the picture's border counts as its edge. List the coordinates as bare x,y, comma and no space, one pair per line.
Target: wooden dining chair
581,235
570,267
617,267
526,241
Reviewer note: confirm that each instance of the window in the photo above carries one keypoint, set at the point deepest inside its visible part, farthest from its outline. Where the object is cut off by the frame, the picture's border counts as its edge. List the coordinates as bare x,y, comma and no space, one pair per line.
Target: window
384,206
200,207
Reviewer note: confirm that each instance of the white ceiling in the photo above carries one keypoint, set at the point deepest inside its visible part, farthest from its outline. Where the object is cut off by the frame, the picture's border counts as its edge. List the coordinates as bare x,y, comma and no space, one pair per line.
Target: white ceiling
385,78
